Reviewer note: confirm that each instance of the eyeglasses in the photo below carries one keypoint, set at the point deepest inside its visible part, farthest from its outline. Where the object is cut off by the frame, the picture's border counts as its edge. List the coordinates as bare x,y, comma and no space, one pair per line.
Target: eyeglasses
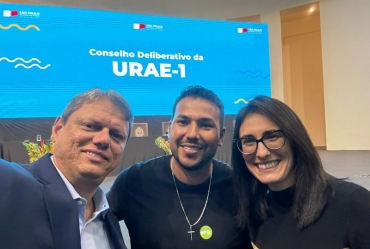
273,140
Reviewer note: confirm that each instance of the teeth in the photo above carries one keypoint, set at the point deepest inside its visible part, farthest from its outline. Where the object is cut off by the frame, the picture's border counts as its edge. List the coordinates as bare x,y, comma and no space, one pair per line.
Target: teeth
268,165
191,148
94,155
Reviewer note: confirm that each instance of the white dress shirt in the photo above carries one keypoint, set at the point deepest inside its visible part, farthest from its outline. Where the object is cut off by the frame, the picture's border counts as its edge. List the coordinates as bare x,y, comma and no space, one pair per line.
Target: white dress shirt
93,233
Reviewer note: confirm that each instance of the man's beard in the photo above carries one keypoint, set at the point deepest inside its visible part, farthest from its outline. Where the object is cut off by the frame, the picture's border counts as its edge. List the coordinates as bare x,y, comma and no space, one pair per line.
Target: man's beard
192,168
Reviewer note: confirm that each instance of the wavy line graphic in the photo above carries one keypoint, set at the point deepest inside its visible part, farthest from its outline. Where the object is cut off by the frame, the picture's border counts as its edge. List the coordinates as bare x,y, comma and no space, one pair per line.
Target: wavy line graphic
240,100
19,27
33,65
249,71
260,76
21,59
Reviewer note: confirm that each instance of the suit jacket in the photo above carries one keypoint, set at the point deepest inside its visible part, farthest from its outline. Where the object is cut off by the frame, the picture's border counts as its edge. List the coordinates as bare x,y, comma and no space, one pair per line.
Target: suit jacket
37,210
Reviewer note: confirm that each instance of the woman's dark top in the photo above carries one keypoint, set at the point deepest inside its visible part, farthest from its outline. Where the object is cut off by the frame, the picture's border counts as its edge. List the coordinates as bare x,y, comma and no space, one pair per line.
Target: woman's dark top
344,222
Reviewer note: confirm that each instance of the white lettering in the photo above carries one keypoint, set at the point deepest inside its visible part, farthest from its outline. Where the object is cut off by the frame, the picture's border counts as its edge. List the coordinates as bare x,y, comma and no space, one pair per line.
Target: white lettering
165,70
140,54
156,55
135,68
92,52
151,70
116,70
182,70
108,53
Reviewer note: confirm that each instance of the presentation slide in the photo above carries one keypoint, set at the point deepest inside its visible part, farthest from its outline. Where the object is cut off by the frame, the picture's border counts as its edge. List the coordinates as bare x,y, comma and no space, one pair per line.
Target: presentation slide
50,54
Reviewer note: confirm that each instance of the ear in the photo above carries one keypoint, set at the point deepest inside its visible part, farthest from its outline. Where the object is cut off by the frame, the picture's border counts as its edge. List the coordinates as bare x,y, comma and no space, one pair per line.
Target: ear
169,129
57,127
222,135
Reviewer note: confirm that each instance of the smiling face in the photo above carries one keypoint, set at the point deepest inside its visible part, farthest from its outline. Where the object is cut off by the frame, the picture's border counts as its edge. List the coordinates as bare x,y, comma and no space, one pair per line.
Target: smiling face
271,167
195,133
89,145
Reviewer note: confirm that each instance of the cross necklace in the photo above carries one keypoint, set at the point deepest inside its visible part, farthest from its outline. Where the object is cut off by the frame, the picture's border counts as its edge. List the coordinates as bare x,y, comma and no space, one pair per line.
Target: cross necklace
205,204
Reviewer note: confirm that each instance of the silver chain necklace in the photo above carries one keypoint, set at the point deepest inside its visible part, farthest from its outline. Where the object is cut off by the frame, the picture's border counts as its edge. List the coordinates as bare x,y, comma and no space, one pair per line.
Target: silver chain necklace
205,204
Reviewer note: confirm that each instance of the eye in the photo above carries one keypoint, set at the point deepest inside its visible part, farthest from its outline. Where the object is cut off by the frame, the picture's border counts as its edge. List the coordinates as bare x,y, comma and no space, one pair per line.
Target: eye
117,136
248,141
182,122
90,126
273,136
207,125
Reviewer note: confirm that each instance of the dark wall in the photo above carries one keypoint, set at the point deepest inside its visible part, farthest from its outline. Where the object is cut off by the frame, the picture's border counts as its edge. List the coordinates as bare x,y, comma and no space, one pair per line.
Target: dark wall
20,129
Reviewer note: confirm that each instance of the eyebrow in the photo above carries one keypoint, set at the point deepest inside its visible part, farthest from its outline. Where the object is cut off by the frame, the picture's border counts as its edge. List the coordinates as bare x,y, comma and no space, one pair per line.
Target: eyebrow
263,134
97,121
181,116
204,119
207,120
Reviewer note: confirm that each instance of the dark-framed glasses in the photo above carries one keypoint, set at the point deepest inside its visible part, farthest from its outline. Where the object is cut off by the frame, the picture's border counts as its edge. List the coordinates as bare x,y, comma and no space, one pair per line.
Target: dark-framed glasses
272,140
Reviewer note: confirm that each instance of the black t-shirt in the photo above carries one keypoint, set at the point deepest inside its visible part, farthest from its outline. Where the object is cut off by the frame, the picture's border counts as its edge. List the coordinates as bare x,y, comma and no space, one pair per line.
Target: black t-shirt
144,195
344,222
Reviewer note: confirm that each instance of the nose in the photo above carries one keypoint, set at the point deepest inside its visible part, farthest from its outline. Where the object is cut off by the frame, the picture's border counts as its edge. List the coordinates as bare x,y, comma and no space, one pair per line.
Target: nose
192,131
262,150
102,138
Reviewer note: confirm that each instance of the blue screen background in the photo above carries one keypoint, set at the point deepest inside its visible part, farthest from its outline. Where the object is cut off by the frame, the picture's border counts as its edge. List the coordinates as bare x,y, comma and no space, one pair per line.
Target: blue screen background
53,46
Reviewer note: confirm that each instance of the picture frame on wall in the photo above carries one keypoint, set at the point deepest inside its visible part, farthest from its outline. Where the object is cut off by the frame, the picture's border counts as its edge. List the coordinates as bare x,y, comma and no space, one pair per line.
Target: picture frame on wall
139,130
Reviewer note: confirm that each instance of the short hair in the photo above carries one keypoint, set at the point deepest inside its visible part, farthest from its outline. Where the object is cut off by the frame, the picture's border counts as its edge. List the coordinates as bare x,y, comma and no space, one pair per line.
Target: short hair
96,94
312,183
202,93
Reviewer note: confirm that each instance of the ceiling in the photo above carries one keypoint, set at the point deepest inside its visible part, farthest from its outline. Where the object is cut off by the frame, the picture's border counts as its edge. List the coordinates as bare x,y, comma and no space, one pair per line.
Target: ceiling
208,9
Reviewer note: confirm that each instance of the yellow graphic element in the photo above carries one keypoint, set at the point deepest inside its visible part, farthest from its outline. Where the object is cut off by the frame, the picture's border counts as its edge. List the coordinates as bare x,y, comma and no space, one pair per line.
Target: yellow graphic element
240,100
19,27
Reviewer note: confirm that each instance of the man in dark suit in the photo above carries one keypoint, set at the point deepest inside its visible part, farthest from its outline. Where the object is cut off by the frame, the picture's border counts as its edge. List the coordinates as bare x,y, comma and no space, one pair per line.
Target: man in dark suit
56,202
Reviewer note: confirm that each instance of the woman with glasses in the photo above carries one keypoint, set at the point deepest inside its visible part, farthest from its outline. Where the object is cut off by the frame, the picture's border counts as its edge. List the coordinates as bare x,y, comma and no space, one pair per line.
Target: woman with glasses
284,196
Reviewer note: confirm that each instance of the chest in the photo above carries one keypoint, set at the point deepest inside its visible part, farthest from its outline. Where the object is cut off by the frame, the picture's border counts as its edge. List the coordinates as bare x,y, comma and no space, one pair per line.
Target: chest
280,231
157,218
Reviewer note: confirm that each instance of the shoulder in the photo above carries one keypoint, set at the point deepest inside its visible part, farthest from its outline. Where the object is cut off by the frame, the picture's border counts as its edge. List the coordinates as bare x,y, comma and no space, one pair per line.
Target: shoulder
221,167
134,181
8,169
134,174
156,162
344,189
354,203
221,171
351,195
16,181
8,166
153,164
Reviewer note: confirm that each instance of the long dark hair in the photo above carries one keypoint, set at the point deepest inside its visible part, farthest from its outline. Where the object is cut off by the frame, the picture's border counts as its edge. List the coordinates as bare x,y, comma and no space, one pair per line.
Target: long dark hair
312,183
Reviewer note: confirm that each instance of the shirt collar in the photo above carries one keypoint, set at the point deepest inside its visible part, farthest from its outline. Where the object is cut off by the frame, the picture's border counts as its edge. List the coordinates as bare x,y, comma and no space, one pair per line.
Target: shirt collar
100,200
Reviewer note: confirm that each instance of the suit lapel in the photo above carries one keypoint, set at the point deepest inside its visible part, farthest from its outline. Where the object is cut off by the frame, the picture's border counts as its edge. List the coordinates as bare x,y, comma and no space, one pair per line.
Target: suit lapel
63,211
61,207
113,231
